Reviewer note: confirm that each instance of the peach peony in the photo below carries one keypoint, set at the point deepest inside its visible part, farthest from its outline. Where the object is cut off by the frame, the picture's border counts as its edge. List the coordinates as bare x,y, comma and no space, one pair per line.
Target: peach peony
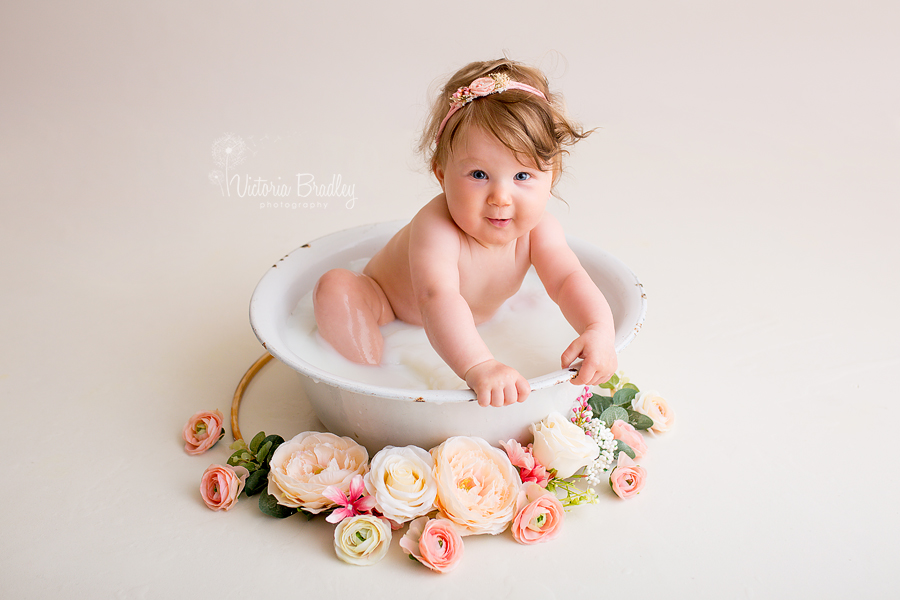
303,467
631,436
477,486
433,542
221,485
202,431
627,478
539,515
654,406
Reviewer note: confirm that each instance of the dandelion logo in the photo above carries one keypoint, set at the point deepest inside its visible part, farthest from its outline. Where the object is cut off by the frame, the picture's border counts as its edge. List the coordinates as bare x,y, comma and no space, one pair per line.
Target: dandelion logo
228,151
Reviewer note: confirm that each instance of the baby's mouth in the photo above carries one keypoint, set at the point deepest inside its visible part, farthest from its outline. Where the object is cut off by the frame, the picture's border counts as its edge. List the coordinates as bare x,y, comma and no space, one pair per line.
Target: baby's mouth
499,222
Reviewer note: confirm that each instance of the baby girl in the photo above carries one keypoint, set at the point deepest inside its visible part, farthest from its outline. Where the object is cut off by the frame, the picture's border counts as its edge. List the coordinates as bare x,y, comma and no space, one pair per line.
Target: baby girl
496,150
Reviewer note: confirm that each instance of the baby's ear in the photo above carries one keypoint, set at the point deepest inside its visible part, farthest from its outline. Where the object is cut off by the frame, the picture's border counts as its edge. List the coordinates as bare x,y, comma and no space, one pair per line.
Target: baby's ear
439,174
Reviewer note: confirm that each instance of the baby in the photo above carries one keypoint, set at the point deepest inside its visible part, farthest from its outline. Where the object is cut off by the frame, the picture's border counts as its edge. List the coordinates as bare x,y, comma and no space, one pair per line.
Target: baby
497,152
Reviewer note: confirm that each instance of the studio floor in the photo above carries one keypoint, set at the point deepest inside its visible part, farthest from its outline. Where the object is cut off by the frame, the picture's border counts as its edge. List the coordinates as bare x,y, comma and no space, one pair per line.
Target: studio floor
745,165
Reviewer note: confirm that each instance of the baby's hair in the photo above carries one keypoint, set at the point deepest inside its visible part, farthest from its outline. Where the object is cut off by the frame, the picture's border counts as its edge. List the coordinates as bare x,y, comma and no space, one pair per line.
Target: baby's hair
530,126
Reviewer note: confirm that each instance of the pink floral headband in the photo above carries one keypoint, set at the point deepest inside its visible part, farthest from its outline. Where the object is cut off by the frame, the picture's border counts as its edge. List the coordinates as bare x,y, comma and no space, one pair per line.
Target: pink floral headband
484,86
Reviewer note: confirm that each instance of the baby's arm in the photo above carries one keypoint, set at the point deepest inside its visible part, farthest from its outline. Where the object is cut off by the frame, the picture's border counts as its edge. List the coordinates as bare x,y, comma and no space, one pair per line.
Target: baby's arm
581,302
434,250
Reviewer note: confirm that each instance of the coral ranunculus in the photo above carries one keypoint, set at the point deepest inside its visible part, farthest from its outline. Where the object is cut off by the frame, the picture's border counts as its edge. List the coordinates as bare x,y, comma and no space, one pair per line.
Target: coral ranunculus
202,431
433,542
539,515
627,478
221,485
631,436
477,486
305,466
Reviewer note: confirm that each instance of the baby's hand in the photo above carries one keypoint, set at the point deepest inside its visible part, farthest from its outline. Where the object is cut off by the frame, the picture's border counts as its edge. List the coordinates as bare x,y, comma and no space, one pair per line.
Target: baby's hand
496,384
599,354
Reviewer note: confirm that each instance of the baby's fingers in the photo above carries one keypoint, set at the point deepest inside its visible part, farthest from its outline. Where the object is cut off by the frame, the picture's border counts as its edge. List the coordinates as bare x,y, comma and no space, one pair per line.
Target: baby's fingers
571,353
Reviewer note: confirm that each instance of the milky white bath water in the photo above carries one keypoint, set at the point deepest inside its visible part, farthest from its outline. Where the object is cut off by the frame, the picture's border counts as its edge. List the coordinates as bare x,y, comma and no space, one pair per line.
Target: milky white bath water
528,333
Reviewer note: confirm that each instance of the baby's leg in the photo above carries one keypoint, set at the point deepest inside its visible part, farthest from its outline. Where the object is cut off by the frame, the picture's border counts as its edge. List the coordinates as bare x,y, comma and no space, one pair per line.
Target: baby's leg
349,309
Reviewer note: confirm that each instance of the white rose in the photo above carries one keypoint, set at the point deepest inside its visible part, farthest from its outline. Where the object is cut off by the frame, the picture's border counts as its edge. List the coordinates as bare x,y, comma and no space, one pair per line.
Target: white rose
362,540
562,445
304,466
402,483
653,405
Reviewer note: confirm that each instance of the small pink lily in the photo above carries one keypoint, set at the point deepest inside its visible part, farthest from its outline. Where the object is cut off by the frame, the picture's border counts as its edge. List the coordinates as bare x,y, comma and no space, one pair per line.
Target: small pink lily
530,470
355,503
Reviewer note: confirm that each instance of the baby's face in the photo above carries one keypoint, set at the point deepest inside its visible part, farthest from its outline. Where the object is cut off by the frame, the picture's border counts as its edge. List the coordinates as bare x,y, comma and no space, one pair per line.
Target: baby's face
491,195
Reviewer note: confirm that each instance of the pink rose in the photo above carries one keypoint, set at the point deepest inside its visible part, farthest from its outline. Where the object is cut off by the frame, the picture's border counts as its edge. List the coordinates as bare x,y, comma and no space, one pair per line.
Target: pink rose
627,478
433,542
202,431
631,436
530,470
539,515
482,86
221,485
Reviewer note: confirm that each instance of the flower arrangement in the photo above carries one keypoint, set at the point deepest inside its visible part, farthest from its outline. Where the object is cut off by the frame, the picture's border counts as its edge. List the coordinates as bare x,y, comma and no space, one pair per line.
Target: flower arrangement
462,487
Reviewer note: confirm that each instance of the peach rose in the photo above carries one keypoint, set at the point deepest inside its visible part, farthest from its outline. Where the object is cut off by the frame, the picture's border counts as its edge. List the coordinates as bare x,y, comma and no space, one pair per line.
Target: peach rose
654,406
302,468
221,485
433,542
482,86
562,445
627,478
477,486
202,431
402,482
362,540
631,436
539,515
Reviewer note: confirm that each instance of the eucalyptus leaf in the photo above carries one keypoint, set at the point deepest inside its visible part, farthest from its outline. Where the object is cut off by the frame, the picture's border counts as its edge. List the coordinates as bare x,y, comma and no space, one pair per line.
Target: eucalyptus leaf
613,414
256,441
624,396
599,403
238,445
631,386
275,440
263,454
269,506
257,482
639,421
623,447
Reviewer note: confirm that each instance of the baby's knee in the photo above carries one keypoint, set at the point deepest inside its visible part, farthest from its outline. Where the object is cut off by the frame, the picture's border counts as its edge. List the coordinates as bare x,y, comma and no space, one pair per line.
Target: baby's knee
335,284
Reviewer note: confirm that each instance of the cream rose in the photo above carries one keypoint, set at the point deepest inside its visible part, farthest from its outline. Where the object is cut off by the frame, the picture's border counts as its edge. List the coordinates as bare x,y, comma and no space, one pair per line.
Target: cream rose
562,445
362,540
477,486
654,406
402,482
302,468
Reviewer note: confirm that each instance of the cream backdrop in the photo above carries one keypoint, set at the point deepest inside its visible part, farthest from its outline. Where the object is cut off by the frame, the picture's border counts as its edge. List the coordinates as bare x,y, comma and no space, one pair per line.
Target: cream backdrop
745,166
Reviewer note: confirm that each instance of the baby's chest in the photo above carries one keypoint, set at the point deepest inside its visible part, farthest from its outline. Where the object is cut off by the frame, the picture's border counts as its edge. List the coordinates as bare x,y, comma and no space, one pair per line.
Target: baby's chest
488,283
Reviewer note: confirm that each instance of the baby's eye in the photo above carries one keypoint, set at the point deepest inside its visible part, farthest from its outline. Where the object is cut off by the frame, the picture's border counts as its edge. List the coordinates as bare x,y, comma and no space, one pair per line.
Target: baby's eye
479,174
523,176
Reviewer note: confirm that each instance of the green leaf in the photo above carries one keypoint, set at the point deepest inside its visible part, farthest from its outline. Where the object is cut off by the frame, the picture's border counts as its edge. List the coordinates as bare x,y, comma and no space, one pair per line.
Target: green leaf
238,445
614,380
623,447
613,414
624,396
263,454
639,421
599,403
256,441
275,440
269,506
631,386
257,482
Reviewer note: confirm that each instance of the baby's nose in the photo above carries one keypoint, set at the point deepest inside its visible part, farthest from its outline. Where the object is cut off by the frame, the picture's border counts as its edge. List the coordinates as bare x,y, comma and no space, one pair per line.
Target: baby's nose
500,196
